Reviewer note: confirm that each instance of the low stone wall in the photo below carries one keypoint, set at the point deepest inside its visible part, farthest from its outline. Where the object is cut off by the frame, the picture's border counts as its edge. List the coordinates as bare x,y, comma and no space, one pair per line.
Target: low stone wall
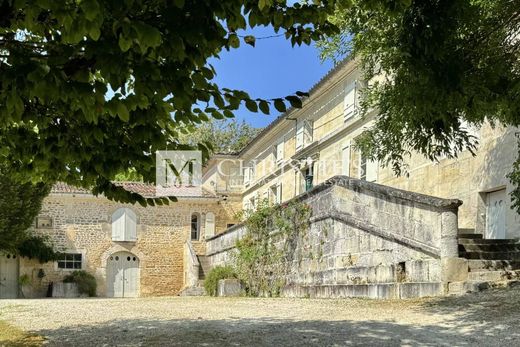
366,240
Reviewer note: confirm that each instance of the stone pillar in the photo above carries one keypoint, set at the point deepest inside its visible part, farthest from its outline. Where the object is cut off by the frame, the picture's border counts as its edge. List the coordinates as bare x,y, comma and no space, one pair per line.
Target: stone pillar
453,268
449,230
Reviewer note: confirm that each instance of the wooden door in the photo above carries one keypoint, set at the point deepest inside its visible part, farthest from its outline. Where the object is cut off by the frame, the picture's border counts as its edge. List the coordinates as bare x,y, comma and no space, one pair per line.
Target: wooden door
496,215
8,276
123,275
131,276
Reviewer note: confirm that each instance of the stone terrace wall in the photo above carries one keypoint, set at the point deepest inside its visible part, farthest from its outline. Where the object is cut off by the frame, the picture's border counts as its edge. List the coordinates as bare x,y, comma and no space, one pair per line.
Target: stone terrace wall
366,240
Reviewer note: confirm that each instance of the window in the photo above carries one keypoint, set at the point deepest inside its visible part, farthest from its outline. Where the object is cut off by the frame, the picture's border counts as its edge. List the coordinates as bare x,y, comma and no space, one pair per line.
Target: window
195,226
349,102
249,174
43,222
275,193
345,159
306,179
278,152
303,134
362,167
210,224
70,261
124,225
367,169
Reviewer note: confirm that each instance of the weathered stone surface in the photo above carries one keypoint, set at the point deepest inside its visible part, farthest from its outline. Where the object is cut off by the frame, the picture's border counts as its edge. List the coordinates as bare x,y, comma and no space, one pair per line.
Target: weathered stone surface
81,223
360,234
229,287
65,290
454,269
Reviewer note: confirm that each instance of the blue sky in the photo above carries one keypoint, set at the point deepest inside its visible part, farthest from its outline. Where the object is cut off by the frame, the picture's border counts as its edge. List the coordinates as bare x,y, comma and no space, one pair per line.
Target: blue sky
271,69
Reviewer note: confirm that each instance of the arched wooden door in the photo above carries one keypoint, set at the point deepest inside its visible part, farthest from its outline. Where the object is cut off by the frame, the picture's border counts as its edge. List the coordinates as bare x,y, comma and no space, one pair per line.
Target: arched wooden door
123,275
8,276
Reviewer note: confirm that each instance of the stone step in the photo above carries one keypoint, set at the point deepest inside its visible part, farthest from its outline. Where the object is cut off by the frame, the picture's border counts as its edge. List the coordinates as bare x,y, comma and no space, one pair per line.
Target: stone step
491,255
493,276
489,247
469,236
493,265
193,291
463,241
374,291
459,288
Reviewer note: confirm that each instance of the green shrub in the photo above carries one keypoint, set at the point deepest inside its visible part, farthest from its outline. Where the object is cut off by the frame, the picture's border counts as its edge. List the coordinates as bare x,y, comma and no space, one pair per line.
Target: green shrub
216,274
86,282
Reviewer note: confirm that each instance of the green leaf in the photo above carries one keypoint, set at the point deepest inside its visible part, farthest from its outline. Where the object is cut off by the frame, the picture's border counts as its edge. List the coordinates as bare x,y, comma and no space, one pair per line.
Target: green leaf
90,8
178,3
122,112
233,41
264,3
94,32
217,115
295,101
264,106
124,43
147,35
302,94
250,40
280,105
251,105
228,114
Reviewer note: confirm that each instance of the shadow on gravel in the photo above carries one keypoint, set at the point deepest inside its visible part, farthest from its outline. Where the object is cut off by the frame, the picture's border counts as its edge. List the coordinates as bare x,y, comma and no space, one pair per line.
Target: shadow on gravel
256,332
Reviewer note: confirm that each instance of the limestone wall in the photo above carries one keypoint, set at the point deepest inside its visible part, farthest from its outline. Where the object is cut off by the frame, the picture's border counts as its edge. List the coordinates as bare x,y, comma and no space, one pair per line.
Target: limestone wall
365,236
82,223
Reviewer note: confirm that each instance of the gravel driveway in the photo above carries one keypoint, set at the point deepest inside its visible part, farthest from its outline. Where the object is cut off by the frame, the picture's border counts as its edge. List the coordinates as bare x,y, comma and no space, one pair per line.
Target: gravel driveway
489,318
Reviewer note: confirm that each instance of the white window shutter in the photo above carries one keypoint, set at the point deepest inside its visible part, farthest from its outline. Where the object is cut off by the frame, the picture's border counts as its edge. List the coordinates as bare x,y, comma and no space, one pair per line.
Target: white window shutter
130,225
372,167
118,225
279,193
345,159
299,135
349,102
279,151
247,175
210,224
307,132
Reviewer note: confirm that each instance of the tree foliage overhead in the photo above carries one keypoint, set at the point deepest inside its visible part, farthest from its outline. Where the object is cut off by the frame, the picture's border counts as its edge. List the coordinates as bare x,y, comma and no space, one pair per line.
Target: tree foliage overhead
445,64
221,136
90,88
19,206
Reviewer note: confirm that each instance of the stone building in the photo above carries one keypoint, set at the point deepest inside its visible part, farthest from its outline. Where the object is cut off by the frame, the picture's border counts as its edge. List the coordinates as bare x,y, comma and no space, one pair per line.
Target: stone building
382,224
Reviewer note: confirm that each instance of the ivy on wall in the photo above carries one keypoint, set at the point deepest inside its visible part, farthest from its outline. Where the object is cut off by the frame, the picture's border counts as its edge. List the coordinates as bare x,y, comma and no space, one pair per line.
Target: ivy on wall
264,255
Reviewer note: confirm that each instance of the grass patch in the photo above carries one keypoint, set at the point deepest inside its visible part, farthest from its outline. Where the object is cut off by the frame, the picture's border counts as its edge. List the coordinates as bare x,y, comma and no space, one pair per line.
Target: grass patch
15,337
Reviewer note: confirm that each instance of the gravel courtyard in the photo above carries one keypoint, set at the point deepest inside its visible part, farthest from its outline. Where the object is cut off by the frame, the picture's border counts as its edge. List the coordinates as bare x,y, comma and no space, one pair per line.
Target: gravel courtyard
487,319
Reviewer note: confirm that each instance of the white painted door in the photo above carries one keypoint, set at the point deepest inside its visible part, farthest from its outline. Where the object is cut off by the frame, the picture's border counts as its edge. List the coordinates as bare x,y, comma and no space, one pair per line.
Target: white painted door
8,276
496,215
123,275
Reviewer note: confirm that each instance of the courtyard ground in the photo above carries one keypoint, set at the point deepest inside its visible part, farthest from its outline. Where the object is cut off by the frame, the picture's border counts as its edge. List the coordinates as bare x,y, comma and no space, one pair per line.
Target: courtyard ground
487,319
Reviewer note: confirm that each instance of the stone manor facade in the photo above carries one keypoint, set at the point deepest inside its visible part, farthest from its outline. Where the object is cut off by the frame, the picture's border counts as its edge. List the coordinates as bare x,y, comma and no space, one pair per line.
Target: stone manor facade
393,236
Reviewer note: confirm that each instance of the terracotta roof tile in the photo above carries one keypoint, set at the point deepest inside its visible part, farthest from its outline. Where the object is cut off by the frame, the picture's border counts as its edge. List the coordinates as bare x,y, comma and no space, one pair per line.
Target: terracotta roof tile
144,189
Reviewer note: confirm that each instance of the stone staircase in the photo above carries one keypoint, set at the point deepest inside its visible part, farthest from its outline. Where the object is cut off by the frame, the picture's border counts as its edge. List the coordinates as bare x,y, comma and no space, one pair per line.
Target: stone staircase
491,263
204,266
198,290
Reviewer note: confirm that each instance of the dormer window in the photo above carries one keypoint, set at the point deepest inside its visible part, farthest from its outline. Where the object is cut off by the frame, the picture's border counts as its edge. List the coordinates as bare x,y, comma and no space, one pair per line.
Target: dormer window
124,225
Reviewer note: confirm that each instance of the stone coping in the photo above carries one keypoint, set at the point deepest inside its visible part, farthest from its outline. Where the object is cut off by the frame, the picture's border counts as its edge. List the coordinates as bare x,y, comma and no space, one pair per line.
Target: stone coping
357,184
